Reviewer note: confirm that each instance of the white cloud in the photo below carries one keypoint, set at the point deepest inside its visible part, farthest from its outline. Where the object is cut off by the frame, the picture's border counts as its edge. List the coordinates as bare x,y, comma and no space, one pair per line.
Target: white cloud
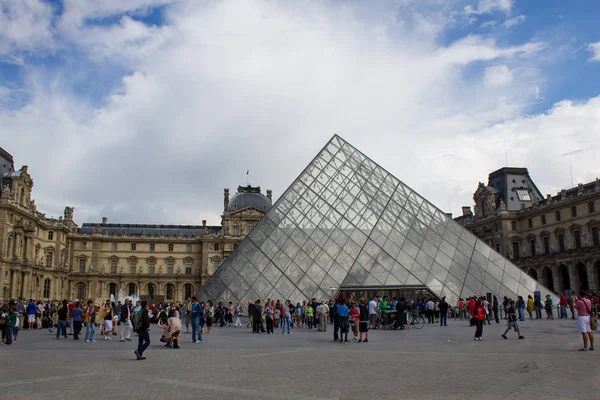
490,6
228,86
595,49
509,23
498,75
25,25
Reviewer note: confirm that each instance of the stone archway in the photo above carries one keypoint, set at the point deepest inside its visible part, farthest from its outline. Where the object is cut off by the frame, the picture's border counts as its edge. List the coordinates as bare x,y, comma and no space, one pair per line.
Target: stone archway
582,276
565,278
548,278
533,273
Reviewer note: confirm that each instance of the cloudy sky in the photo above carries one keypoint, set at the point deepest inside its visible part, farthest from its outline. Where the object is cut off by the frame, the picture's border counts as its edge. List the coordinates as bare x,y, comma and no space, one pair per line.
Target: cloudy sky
144,110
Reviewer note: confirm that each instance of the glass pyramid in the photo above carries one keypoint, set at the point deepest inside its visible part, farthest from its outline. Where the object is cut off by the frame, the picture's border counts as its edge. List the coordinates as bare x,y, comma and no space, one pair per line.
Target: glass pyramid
347,223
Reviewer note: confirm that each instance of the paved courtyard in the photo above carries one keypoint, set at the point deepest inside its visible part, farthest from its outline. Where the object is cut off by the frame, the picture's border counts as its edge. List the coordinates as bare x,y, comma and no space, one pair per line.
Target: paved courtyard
232,363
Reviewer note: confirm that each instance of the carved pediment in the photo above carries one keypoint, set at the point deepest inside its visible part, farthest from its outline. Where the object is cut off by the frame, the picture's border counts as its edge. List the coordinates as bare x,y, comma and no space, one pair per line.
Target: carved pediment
247,212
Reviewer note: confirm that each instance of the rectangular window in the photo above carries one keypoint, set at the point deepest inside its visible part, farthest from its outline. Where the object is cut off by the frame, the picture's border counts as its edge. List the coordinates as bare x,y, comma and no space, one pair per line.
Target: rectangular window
532,247
188,267
513,225
82,265
523,195
49,259
47,288
574,211
151,246
113,265
133,246
83,245
114,247
516,254
531,222
543,219
561,242
50,235
546,245
170,247
595,238
591,207
215,264
170,264
132,266
188,248
151,264
577,237
557,215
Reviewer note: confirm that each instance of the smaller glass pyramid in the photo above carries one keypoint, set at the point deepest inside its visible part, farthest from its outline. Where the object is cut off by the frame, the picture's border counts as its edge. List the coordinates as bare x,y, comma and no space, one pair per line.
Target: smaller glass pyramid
346,223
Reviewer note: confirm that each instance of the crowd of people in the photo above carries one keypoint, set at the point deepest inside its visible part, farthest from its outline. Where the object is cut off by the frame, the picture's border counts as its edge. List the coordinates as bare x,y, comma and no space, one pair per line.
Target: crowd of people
348,316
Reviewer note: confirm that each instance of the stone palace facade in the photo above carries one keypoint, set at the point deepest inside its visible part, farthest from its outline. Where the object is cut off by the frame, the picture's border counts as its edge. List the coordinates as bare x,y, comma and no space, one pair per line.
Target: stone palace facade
554,238
45,258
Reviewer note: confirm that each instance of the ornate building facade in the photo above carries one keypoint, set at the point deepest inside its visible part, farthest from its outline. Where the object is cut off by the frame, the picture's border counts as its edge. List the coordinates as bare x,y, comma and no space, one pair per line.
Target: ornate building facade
554,239
46,258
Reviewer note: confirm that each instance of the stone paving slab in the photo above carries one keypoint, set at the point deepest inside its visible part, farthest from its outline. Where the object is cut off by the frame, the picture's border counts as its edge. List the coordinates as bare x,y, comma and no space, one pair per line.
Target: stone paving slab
432,363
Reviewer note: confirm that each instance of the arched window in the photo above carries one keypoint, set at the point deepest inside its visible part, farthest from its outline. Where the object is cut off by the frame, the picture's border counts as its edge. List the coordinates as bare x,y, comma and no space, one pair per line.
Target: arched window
47,287
170,292
187,290
188,267
132,289
81,290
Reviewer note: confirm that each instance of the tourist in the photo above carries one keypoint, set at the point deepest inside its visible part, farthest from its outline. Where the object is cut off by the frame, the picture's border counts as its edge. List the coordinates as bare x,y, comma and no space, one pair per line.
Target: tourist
572,300
479,317
495,309
256,311
269,313
20,308
125,317
174,331
471,308
342,313
512,320
373,313
444,312
286,317
136,309
90,321
354,320
238,313
400,310
38,314
4,313
195,315
12,325
584,325
143,332
309,313
298,315
63,315
323,312
363,325
537,304
549,314
77,318
107,317
505,303
530,307
429,307
563,306
486,306
188,315
521,307
31,310
461,305
276,314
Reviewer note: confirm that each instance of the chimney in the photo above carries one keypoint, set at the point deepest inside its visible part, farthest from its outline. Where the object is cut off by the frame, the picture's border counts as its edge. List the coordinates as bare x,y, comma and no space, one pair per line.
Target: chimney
226,200
204,226
467,211
104,220
270,195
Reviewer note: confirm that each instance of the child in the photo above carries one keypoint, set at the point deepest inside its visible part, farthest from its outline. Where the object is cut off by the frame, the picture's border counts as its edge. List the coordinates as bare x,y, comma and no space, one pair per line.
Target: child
309,312
512,320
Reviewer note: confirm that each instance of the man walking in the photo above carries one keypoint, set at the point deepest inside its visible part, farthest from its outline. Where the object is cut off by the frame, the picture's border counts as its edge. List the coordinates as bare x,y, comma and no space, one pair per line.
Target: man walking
143,332
323,311
512,321
126,325
195,314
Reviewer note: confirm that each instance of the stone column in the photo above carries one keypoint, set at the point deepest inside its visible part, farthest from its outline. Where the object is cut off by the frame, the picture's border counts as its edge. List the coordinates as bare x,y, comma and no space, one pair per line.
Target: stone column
25,286
15,240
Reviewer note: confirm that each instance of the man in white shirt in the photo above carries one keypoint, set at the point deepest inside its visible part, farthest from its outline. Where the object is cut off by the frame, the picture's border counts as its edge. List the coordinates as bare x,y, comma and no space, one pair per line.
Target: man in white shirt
322,312
373,310
430,306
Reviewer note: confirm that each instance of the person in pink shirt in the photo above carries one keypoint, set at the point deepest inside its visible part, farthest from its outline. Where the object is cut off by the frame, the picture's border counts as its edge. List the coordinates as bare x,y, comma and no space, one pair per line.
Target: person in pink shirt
584,309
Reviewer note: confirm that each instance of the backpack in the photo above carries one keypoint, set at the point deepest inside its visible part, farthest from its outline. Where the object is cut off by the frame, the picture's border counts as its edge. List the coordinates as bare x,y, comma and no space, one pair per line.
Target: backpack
138,320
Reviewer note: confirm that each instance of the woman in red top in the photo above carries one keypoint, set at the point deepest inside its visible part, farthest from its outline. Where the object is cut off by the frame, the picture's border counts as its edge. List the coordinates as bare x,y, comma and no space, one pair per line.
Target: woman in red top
479,315
354,319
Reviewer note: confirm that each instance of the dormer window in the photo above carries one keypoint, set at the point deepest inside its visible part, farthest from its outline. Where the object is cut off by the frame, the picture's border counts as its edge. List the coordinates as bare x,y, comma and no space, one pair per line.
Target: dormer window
523,195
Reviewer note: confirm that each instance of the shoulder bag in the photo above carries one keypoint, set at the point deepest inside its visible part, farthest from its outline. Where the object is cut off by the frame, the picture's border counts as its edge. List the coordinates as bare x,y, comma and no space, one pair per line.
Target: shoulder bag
593,321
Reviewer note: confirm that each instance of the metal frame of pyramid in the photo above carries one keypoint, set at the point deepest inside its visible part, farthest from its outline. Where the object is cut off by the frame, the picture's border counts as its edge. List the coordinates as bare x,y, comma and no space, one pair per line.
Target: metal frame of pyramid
346,222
